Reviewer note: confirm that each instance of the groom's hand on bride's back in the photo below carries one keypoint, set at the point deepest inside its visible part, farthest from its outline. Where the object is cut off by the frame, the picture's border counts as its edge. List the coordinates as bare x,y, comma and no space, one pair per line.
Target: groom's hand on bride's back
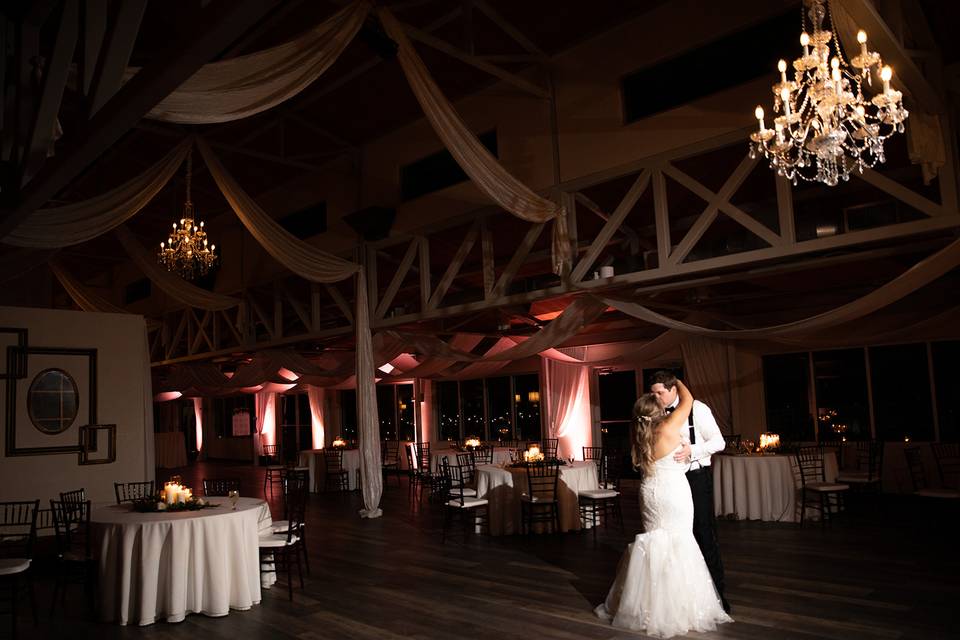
683,454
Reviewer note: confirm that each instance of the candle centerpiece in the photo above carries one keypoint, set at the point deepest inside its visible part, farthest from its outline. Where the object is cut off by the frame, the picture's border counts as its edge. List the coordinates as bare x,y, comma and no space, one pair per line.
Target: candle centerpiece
533,454
338,443
769,442
173,497
473,442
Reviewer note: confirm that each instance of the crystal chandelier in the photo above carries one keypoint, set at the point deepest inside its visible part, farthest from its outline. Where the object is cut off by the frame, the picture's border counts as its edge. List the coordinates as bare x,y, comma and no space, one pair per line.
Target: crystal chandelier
825,127
186,251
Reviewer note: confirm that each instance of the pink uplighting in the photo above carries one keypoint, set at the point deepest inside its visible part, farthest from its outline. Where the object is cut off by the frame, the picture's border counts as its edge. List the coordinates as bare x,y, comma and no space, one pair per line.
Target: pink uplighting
167,396
286,374
268,417
198,414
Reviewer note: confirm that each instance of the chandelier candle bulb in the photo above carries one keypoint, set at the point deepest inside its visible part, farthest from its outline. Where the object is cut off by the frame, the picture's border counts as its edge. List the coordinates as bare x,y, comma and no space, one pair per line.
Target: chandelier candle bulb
782,66
805,43
759,113
885,75
862,39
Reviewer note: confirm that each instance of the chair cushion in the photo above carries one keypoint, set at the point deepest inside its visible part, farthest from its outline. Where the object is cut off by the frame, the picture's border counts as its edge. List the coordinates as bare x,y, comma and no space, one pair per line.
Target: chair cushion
537,499
857,477
938,493
280,526
467,503
275,467
827,486
275,540
598,494
467,491
10,566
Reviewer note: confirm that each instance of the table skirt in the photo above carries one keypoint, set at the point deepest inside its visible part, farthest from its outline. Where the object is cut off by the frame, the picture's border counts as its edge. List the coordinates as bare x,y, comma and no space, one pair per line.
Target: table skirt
163,566
313,459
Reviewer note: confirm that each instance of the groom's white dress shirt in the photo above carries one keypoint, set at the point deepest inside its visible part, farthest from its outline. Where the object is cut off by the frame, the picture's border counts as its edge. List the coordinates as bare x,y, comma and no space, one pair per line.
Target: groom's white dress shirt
708,435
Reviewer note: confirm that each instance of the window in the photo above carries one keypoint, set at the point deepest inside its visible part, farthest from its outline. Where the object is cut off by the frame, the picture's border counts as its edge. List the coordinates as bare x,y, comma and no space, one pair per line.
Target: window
747,54
499,409
224,410
841,386
52,401
405,421
386,412
437,171
946,374
448,408
527,398
296,425
348,414
786,387
900,380
471,401
618,393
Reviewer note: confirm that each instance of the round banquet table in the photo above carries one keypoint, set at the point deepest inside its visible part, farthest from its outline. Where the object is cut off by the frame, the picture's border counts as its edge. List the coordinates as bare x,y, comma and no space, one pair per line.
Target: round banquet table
501,455
502,487
162,566
313,459
754,487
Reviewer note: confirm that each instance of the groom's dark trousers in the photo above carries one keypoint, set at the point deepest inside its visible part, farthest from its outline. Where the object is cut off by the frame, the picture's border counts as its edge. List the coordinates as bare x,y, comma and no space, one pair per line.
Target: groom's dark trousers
704,523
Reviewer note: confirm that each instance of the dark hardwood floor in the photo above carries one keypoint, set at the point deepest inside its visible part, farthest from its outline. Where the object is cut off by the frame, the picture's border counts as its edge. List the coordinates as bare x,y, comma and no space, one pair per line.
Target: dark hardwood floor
879,572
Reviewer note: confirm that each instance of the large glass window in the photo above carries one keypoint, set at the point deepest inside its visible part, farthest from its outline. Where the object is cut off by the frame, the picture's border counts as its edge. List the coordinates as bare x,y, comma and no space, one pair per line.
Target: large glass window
527,392
348,414
448,408
499,408
405,420
224,410
900,381
840,377
471,401
946,373
296,433
618,393
786,386
386,413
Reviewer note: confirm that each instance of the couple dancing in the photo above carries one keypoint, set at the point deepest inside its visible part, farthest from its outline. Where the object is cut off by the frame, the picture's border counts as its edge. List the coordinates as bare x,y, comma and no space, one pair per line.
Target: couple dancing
670,580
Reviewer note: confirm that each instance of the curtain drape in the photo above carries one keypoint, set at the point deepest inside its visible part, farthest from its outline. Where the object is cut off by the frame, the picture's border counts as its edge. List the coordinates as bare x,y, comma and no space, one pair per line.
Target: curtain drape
914,278
300,257
477,162
172,285
82,221
198,416
706,364
369,422
246,85
567,389
265,406
85,299
317,398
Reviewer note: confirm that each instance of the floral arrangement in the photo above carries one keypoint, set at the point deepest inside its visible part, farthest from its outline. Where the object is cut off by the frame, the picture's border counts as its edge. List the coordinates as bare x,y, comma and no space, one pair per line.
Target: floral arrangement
156,505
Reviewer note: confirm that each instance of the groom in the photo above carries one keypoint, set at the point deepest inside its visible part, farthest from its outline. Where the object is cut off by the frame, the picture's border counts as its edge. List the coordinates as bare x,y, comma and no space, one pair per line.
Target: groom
705,439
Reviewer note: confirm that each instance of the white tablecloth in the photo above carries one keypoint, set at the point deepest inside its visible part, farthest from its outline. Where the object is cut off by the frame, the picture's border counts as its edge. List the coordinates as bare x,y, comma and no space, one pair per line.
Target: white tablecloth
313,458
761,487
162,566
501,455
171,449
503,488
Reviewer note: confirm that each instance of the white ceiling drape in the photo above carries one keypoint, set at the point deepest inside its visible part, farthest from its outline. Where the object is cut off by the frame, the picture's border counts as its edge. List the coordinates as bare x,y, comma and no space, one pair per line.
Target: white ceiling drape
243,86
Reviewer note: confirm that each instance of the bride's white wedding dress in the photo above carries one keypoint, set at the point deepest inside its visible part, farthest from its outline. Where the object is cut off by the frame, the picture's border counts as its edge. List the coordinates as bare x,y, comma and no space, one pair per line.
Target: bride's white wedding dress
663,586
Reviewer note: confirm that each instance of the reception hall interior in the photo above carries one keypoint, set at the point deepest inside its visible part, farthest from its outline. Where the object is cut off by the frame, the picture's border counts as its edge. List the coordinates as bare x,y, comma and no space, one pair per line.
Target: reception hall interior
328,318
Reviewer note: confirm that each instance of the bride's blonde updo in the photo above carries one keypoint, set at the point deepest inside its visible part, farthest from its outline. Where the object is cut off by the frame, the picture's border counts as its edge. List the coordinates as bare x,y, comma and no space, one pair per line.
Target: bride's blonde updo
647,416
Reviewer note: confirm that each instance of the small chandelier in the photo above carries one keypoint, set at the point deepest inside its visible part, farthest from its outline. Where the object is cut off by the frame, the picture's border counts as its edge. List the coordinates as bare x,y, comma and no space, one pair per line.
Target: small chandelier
186,251
826,127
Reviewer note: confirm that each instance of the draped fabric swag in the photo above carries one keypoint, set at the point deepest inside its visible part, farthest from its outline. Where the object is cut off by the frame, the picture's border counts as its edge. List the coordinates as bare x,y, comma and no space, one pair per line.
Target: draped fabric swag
317,398
85,299
369,427
707,366
72,224
567,395
246,85
265,407
484,169
174,286
300,257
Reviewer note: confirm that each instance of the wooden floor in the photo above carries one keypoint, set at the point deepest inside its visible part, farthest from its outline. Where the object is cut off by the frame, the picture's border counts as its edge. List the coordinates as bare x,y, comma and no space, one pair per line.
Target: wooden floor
892,574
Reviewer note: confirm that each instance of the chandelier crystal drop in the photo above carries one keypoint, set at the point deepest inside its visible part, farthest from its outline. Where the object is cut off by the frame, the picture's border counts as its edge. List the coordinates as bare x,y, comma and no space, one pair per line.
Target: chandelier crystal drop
186,251
824,127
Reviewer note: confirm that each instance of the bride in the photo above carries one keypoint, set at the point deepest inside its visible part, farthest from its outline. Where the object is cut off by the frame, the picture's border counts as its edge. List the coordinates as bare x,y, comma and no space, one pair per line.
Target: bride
663,587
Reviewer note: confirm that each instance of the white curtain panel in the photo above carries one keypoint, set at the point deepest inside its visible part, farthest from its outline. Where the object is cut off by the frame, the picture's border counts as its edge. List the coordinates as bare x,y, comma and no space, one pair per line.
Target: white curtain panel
72,224
173,285
914,278
484,169
198,418
369,421
246,85
302,258
265,406
567,389
317,398
706,364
